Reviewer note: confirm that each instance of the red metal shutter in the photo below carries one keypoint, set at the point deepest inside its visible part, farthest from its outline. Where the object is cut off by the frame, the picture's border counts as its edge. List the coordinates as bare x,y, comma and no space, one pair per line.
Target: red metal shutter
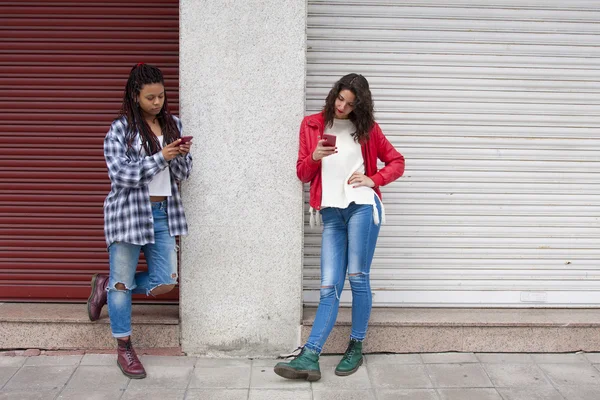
63,67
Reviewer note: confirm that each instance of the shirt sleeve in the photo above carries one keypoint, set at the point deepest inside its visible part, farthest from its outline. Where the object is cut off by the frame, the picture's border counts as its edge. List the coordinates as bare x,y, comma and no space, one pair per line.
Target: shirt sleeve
122,169
306,167
393,160
181,166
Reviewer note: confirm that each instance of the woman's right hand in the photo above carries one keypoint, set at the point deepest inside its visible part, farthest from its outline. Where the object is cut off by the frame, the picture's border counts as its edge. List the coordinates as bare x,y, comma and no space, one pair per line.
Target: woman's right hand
171,150
323,151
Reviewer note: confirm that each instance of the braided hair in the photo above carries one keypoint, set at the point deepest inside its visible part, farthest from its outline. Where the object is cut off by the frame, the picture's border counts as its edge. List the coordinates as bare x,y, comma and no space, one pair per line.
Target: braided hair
140,75
362,114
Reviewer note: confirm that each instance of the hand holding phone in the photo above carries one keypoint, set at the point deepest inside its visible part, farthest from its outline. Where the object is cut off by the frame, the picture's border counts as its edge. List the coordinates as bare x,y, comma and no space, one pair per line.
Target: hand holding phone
329,140
185,140
325,147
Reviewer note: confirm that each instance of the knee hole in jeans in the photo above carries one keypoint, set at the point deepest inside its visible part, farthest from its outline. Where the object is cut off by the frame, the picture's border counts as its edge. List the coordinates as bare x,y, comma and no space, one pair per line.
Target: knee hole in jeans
327,291
161,289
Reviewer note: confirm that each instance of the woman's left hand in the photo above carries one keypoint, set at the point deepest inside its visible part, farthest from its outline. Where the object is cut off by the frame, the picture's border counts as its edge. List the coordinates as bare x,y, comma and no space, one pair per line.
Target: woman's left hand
185,148
357,179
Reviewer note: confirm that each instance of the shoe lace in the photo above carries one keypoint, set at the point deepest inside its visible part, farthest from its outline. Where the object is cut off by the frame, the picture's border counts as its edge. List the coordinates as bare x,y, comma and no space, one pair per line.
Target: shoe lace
349,353
129,352
294,354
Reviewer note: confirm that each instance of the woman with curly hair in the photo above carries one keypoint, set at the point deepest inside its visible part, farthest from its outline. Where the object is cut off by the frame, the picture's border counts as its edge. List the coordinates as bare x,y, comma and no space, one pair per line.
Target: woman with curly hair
344,190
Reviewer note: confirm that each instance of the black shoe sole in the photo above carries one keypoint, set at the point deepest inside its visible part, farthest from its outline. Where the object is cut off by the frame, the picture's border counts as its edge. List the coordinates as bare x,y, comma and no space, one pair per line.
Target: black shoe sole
140,376
291,373
340,373
89,302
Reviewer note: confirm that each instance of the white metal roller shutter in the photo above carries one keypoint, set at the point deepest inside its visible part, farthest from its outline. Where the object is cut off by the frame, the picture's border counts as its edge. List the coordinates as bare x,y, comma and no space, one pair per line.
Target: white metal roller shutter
496,107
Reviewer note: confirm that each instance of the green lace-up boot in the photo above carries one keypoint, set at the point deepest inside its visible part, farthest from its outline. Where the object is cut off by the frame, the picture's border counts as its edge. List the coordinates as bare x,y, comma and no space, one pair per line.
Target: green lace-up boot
352,359
304,366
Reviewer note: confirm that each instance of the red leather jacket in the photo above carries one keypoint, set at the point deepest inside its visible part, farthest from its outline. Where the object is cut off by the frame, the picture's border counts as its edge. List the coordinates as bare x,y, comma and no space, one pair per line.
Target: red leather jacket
376,147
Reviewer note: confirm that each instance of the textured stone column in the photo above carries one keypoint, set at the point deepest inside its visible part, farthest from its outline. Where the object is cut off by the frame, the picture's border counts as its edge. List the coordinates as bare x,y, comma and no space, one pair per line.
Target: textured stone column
242,73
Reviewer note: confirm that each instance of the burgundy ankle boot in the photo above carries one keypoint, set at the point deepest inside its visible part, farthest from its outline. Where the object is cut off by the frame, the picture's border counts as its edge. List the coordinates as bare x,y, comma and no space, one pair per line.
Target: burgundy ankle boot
97,298
128,361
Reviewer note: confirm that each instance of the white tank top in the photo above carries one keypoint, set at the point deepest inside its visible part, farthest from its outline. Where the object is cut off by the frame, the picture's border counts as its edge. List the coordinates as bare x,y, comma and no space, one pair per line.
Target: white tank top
160,185
336,169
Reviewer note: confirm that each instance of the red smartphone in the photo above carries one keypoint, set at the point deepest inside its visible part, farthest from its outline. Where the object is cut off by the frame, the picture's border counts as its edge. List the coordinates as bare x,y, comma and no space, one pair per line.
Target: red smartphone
185,140
329,140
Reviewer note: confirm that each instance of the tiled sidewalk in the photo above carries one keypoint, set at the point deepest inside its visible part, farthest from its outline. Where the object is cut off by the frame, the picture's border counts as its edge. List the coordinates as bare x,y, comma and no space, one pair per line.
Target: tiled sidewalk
447,376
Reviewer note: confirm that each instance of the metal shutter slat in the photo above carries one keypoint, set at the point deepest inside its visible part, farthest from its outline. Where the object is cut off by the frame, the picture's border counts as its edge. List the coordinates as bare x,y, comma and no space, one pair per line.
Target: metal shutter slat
495,106
63,67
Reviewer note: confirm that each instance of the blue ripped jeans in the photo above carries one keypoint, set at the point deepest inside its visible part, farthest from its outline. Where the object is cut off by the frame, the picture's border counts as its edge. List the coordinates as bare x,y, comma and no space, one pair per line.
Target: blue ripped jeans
161,257
347,245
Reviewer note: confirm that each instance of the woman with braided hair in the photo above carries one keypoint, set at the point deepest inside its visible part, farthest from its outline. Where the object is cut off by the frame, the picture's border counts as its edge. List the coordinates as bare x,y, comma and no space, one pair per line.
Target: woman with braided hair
338,153
146,159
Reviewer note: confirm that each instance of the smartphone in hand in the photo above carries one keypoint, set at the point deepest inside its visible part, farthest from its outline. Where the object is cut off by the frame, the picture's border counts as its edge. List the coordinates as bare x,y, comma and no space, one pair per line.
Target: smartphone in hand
185,140
329,140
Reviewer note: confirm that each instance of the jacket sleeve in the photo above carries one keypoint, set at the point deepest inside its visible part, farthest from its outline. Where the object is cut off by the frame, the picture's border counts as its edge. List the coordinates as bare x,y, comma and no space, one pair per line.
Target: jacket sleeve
394,161
181,166
124,171
306,167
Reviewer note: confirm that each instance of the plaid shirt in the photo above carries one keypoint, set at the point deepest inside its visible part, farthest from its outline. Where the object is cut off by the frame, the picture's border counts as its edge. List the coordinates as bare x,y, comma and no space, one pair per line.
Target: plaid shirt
127,209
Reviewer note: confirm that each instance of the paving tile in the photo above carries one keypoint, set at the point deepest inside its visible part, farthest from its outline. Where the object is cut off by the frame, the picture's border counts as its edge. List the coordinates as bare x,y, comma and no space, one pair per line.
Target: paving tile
204,362
567,358
266,362
168,361
53,360
407,394
99,359
571,374
594,358
376,359
98,377
509,358
40,378
16,361
221,377
280,394
530,393
6,373
343,395
329,361
403,376
516,375
469,394
329,380
153,394
580,392
449,358
458,375
29,395
95,394
217,394
265,378
163,377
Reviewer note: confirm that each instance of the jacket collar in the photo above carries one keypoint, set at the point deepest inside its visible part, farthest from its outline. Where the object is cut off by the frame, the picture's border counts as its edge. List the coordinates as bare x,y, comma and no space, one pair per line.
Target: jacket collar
316,121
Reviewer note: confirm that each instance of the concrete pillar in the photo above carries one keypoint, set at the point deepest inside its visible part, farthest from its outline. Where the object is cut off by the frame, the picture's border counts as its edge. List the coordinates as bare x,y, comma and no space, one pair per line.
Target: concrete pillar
242,73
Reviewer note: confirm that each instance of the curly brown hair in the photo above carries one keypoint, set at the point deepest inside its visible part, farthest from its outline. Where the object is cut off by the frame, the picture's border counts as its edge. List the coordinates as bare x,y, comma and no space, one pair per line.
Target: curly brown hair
362,114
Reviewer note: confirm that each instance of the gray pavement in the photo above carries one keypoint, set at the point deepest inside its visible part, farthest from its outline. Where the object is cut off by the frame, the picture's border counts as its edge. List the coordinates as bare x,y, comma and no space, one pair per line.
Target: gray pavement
443,376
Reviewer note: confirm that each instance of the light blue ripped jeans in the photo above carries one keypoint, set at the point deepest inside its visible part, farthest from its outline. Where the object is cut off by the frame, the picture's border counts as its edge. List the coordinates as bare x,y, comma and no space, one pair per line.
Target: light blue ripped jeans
161,257
348,244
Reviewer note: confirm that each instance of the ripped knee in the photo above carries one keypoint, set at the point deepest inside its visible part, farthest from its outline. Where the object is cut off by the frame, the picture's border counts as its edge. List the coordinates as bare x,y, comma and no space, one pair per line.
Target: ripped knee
120,286
357,275
162,289
329,291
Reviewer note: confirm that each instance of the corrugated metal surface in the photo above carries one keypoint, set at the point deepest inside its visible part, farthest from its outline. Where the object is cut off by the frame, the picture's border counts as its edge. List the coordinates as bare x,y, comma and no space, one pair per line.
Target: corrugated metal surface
496,107
63,67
